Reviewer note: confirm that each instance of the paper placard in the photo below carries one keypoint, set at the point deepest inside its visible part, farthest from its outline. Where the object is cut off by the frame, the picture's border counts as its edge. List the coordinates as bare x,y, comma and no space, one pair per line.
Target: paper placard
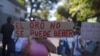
43,29
90,31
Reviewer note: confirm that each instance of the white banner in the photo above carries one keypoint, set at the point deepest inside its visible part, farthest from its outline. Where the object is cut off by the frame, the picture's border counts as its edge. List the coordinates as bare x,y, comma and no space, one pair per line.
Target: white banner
90,31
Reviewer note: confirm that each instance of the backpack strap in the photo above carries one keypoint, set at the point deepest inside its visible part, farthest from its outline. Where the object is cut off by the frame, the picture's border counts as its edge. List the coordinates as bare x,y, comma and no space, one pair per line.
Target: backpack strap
16,40
77,42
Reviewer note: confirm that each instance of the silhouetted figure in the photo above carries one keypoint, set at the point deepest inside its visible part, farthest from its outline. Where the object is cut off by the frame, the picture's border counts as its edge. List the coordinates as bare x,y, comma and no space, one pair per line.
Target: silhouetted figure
6,31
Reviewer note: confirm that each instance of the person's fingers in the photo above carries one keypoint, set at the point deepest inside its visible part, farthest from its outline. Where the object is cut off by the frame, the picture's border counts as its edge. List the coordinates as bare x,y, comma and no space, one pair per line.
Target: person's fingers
30,39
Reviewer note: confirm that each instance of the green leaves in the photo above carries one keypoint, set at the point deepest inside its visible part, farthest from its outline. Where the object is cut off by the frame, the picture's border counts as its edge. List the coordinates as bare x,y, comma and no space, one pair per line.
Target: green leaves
22,2
86,7
62,12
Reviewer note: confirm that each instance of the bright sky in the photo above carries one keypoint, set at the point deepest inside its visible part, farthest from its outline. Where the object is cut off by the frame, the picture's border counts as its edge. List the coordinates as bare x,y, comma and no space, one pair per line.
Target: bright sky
51,15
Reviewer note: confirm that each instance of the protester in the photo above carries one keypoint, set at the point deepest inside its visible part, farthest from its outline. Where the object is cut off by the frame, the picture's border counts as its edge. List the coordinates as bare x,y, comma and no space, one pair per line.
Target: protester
91,48
78,43
63,49
37,47
17,42
97,49
6,31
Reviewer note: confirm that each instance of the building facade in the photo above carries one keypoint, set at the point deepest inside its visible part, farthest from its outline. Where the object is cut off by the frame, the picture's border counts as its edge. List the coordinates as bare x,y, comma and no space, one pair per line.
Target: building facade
11,8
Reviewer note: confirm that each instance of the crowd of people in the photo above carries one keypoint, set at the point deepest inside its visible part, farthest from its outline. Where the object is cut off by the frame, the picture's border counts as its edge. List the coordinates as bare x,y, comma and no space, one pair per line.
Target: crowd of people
80,47
28,46
24,46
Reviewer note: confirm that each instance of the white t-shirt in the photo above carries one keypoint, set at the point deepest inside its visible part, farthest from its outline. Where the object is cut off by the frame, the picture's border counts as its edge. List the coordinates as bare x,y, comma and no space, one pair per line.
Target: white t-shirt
77,37
19,42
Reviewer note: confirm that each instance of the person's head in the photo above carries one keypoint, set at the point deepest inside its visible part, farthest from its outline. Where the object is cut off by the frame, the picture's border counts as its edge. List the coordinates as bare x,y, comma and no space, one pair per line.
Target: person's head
21,19
9,20
61,42
77,30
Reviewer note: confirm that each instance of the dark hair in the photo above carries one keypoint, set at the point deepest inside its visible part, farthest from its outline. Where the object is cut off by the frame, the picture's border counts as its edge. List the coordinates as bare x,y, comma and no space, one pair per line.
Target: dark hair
9,19
77,30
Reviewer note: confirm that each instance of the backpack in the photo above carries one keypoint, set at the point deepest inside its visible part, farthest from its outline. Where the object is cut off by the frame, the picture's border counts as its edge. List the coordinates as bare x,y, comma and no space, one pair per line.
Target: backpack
91,47
67,49
60,48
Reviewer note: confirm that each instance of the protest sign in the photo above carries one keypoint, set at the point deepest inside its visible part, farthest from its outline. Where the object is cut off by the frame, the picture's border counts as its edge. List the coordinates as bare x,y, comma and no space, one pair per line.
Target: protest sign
90,31
43,29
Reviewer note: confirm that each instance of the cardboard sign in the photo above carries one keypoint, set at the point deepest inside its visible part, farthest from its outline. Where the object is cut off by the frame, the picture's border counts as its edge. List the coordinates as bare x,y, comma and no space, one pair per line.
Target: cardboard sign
90,31
43,29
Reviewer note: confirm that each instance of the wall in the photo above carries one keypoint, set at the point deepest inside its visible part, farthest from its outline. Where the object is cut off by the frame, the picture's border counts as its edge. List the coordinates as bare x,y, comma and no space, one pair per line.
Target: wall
9,9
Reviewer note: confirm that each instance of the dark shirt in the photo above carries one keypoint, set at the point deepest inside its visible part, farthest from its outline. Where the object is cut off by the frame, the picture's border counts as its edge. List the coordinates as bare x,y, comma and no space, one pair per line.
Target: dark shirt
7,30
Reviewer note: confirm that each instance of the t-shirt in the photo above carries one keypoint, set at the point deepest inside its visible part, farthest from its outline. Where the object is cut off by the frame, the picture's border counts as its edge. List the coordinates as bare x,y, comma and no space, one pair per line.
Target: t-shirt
77,44
19,42
36,49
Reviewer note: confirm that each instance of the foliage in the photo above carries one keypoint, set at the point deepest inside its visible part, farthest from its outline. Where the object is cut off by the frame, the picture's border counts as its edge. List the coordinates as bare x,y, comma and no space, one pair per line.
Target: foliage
93,4
22,2
86,8
44,13
43,5
62,13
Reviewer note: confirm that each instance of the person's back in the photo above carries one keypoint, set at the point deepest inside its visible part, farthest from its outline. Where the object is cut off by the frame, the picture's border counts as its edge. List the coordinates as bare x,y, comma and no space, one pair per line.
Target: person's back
63,48
6,31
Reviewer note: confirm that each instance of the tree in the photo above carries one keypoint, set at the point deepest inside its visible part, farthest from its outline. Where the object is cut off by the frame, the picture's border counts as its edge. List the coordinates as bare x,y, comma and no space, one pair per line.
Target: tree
87,8
22,2
43,5
62,13
44,13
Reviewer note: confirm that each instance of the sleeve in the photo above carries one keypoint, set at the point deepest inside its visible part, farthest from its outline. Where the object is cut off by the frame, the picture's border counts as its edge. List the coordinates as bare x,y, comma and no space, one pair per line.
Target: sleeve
13,35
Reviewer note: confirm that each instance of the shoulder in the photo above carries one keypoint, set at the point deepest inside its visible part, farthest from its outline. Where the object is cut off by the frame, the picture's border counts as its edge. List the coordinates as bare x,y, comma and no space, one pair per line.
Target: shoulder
63,38
75,37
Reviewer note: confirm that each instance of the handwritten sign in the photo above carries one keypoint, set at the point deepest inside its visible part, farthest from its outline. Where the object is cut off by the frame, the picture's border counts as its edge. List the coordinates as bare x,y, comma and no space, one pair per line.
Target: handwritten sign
90,31
43,29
